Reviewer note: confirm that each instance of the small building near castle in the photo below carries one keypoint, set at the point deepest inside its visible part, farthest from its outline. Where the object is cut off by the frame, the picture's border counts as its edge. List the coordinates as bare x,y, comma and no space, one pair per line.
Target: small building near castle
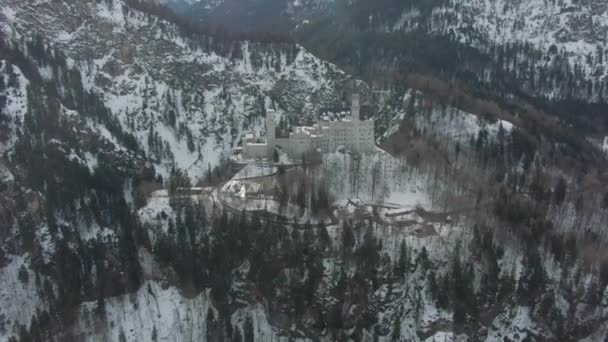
325,136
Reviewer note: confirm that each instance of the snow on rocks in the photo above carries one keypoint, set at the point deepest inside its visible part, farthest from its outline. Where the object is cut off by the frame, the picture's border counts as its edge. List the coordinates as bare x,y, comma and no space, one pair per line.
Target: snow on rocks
515,326
19,297
157,211
262,330
152,310
5,174
16,102
164,88
449,122
575,28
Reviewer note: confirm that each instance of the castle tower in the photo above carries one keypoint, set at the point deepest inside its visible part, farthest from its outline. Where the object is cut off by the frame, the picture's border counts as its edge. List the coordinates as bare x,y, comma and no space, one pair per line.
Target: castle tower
270,129
354,107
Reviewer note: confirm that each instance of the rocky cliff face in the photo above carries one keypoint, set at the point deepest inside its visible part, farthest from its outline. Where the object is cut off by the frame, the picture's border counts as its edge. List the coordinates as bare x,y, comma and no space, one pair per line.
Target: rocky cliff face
576,28
185,98
574,25
560,37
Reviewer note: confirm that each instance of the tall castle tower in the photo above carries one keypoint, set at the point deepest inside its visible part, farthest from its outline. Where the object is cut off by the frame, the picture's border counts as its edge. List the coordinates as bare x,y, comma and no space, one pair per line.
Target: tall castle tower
270,129
354,107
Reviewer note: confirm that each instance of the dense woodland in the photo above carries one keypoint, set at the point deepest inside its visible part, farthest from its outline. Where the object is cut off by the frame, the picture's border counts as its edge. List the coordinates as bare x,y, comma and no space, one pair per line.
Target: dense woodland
70,195
219,35
509,75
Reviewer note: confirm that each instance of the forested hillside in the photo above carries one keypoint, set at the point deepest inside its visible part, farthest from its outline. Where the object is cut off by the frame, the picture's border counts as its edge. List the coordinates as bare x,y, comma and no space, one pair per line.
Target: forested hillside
185,93
549,55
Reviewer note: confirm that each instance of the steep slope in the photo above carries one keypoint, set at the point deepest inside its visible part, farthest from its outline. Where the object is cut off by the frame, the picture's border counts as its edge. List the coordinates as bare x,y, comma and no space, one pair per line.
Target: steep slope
548,55
577,28
185,97
68,239
65,164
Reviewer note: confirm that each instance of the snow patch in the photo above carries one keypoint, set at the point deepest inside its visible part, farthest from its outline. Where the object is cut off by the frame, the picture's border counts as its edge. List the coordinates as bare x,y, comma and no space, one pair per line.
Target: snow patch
19,300
152,309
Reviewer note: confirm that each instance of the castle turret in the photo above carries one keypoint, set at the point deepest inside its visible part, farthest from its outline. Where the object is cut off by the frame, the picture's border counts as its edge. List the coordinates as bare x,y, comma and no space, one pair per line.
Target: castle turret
354,108
270,128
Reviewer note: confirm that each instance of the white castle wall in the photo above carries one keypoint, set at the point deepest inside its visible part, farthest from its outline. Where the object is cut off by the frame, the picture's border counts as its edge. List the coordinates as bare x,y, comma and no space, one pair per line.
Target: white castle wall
327,136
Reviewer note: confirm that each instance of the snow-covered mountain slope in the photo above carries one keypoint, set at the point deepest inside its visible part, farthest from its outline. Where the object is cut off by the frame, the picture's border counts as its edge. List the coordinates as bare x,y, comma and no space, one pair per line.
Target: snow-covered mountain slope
560,37
46,144
157,313
578,29
186,99
404,306
364,279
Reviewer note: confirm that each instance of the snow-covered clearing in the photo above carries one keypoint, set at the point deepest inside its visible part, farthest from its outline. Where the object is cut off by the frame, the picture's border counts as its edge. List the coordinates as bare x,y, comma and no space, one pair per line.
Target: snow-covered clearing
252,171
512,326
375,178
157,211
19,299
153,309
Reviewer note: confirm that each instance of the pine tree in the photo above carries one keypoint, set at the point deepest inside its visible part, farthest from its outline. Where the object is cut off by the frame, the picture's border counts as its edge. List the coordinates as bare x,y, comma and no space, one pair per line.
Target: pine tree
2,88
403,263
121,336
211,323
423,260
433,286
418,305
249,335
13,80
376,334
100,308
533,279
348,239
23,275
396,335
324,237
154,337
27,232
559,194
236,336
605,201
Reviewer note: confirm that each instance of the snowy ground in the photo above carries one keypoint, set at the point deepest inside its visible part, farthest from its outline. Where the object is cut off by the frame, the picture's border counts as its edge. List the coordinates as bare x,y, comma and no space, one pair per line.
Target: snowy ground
513,326
163,312
152,309
19,299
252,171
375,178
157,211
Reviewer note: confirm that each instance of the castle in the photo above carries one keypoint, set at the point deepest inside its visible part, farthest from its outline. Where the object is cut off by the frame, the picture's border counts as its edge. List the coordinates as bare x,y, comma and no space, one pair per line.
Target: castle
326,136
